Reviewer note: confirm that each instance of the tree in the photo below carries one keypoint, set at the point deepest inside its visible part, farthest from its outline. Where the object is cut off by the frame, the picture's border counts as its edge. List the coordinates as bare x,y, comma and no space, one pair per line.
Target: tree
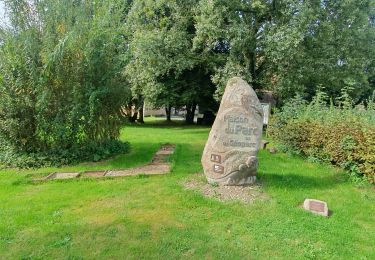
325,43
164,67
61,67
289,46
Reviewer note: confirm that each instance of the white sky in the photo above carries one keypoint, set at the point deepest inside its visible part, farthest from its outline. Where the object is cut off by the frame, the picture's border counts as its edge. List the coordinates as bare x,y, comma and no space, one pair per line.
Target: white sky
2,13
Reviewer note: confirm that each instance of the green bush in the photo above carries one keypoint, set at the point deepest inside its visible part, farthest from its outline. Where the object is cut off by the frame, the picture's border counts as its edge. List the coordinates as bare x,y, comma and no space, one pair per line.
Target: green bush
91,151
342,135
61,82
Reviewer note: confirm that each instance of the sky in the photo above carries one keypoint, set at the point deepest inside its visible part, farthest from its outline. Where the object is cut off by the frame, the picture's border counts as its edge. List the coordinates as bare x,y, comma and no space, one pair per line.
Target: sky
2,13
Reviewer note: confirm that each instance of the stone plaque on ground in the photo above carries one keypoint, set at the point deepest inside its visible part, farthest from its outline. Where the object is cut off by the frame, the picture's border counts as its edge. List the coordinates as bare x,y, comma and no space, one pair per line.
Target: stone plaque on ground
316,206
229,156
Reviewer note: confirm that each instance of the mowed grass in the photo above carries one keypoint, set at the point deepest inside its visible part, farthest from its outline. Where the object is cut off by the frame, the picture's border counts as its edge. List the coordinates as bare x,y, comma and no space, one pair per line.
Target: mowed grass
155,217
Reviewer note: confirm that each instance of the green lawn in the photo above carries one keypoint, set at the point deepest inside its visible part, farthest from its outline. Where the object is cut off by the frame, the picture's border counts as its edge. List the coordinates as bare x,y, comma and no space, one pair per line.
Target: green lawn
155,217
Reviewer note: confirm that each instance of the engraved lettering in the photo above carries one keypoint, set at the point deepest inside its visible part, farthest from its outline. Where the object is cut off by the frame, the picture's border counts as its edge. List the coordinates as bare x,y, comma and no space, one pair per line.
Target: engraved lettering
236,119
238,129
235,143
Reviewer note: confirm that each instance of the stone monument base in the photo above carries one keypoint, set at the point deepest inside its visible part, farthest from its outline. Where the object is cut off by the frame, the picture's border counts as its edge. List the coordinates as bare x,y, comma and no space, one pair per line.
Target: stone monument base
251,180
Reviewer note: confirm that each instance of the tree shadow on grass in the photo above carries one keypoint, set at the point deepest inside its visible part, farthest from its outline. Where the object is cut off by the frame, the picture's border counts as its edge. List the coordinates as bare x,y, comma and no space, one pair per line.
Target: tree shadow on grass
174,124
295,181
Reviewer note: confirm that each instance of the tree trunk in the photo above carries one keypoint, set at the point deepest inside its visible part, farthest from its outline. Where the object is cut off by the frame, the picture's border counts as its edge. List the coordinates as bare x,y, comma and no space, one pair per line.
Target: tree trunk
190,113
168,110
127,111
133,118
140,114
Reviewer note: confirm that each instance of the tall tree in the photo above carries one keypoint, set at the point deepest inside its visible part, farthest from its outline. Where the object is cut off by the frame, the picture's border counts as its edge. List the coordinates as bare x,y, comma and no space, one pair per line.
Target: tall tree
61,67
323,43
164,68
289,46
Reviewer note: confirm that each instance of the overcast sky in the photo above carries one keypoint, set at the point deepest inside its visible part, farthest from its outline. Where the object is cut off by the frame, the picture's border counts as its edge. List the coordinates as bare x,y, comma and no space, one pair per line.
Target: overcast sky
1,8
2,18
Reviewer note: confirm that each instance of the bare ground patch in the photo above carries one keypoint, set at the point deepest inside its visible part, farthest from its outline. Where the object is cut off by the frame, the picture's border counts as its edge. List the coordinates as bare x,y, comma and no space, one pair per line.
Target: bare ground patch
245,194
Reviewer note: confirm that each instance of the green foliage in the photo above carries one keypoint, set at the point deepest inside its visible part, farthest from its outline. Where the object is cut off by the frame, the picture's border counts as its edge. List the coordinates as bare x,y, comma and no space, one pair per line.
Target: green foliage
90,151
341,135
68,68
316,43
163,66
61,84
290,46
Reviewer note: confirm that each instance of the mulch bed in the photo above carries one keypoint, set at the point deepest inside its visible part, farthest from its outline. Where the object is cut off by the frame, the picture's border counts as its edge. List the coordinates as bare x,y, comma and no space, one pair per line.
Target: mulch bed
245,194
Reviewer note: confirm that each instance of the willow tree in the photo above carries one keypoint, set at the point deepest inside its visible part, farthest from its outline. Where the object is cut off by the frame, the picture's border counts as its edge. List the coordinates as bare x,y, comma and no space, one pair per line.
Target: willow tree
61,68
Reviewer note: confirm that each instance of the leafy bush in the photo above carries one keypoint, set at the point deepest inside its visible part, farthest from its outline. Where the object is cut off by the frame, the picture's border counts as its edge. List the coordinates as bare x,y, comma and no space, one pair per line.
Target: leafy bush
91,151
343,135
61,81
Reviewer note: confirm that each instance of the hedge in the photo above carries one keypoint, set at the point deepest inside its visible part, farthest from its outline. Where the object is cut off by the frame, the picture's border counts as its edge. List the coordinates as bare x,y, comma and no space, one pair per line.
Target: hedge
342,135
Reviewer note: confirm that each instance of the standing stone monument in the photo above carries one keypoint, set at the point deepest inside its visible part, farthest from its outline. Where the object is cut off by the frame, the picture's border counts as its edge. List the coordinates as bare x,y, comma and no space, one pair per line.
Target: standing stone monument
230,154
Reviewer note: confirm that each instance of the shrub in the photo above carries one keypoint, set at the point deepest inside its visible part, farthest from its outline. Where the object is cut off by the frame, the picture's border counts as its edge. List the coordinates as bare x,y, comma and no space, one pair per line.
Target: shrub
61,82
342,135
91,151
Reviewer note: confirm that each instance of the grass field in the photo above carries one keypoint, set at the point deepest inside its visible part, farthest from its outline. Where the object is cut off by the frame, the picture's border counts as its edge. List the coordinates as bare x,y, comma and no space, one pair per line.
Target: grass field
155,217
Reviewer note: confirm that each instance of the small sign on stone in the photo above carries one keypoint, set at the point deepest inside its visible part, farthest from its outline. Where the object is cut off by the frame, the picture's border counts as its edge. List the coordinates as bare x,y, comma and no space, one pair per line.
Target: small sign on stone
316,206
215,158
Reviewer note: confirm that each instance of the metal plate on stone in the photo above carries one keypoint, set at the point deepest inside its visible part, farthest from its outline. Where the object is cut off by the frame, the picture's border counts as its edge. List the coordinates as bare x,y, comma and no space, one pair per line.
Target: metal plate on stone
218,168
216,158
316,206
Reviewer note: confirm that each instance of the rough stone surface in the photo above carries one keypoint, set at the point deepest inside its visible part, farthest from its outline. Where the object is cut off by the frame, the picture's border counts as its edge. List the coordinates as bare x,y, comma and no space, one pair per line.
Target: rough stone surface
62,175
272,150
316,206
229,157
93,174
150,169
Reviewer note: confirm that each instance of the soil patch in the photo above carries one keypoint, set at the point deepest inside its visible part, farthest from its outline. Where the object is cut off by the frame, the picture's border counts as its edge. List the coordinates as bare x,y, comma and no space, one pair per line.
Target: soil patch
245,194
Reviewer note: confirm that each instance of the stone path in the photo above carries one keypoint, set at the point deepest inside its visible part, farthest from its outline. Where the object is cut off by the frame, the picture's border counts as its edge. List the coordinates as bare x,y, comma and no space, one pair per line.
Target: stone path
158,165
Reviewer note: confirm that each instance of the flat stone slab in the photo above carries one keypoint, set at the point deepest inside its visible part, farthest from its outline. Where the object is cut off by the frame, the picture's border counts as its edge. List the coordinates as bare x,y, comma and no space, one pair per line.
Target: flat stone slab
154,169
158,165
316,206
62,175
150,169
93,174
164,152
120,173
160,159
